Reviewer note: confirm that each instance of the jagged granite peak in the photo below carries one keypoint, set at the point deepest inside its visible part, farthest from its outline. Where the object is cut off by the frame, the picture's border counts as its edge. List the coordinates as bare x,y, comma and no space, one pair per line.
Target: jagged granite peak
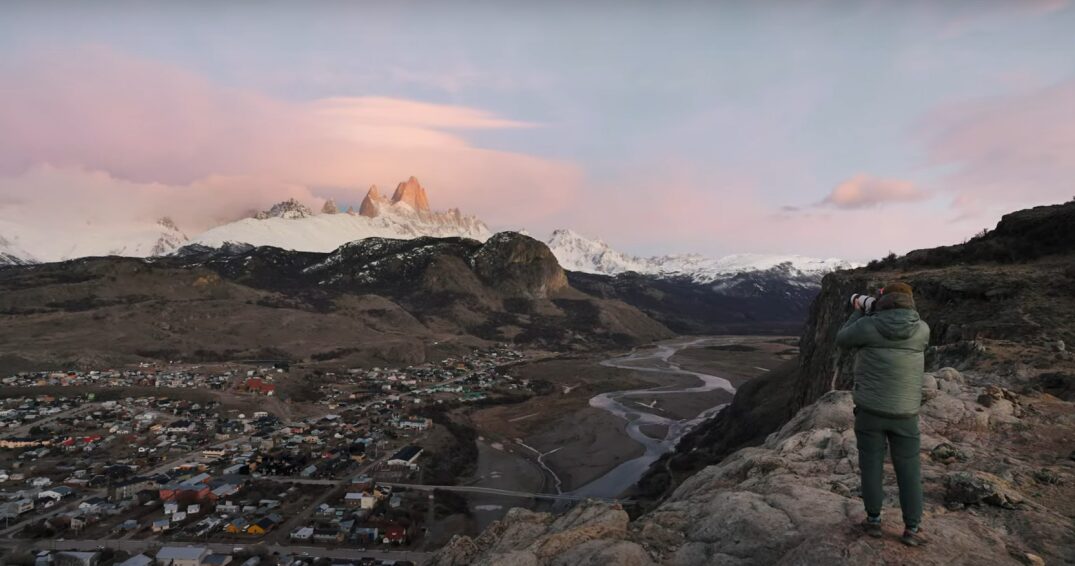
408,217
330,207
371,205
413,194
289,208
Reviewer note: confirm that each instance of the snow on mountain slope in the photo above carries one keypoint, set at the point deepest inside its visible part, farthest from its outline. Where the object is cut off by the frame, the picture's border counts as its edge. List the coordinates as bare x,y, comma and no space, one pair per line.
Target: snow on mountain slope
43,242
11,254
579,253
290,225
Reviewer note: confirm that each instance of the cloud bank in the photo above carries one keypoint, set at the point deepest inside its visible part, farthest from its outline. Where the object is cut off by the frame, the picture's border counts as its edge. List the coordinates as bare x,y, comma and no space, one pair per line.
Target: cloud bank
124,137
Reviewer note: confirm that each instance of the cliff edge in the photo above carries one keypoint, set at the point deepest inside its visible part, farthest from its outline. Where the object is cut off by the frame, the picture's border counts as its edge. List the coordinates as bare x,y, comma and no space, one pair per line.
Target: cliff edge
997,422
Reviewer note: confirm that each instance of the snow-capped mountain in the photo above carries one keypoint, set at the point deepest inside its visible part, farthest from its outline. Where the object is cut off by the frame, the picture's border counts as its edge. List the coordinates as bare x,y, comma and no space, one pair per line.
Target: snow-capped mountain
11,254
579,253
41,243
291,225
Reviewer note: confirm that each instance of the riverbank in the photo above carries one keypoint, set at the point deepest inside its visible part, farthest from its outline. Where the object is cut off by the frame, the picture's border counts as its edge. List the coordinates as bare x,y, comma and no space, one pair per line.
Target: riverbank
674,382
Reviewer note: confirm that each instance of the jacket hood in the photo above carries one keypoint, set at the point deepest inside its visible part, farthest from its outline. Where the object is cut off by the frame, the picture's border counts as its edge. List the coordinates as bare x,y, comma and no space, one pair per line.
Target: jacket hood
897,324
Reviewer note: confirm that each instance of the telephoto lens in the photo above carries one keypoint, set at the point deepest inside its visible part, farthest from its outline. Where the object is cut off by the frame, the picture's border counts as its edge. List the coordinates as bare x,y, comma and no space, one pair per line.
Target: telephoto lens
864,303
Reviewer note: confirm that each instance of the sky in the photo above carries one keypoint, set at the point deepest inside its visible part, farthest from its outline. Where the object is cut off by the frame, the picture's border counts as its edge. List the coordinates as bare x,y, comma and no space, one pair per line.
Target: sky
825,128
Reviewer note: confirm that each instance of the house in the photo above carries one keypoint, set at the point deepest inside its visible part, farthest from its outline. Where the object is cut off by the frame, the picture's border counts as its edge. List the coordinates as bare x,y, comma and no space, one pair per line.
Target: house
394,534
22,506
23,442
182,426
183,556
328,534
365,534
92,505
71,558
418,424
237,526
137,560
224,490
217,560
56,493
362,500
261,526
302,533
406,456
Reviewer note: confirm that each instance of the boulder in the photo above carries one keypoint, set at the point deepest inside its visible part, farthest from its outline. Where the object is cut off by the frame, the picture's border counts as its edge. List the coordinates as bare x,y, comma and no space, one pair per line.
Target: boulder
975,488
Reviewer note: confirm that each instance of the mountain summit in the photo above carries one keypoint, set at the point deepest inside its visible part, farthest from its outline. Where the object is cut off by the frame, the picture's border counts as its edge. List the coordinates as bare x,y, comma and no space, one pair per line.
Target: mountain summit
291,225
410,192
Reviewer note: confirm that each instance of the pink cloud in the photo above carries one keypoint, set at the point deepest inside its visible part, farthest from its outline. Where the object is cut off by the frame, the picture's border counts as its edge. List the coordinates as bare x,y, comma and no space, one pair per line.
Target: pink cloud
864,191
1009,151
149,124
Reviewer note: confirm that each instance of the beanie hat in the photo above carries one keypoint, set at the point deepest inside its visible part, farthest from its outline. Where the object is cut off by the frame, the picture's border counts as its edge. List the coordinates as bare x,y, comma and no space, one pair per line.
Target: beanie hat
898,287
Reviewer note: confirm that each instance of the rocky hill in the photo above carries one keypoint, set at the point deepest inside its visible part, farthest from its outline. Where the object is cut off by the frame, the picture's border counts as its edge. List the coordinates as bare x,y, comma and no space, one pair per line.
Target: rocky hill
774,478
370,301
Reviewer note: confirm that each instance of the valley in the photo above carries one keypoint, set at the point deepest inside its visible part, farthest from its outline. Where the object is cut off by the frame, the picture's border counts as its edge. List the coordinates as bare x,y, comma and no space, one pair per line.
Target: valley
608,419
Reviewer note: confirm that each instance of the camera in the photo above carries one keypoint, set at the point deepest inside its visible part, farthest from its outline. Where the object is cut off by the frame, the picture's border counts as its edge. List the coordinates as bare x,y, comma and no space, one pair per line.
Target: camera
864,303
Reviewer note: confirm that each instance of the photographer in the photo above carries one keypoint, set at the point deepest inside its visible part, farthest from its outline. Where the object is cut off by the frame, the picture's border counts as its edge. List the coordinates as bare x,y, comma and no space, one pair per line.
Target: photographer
890,341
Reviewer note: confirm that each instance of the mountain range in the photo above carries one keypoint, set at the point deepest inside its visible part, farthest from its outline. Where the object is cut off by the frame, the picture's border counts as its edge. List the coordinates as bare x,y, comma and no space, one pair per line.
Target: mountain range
368,302
407,214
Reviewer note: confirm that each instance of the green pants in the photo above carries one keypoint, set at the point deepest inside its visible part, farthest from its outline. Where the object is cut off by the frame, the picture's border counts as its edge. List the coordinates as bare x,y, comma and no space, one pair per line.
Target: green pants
872,432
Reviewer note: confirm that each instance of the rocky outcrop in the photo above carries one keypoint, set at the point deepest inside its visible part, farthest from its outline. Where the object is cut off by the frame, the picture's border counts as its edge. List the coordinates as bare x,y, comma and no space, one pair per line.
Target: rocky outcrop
370,207
993,303
411,193
998,465
289,208
795,499
520,264
330,207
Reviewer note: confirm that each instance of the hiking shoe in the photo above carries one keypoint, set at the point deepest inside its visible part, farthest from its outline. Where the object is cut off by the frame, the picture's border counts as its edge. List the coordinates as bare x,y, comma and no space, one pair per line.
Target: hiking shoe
913,538
872,528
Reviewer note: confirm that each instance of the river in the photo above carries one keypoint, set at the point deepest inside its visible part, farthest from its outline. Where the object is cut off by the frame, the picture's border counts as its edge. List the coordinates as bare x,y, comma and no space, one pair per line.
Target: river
655,359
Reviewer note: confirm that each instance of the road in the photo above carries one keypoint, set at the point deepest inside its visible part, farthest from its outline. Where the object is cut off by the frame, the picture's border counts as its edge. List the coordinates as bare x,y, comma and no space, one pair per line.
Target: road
136,546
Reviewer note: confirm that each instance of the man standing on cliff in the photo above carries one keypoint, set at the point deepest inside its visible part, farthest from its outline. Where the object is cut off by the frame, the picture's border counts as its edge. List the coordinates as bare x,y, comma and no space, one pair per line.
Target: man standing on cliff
890,341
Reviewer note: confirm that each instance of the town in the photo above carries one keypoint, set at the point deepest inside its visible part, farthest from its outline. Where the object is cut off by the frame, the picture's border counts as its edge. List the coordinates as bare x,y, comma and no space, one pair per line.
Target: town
236,463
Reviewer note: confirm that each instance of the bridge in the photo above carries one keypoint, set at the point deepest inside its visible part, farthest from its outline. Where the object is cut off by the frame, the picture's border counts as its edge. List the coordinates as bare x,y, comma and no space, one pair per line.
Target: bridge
503,492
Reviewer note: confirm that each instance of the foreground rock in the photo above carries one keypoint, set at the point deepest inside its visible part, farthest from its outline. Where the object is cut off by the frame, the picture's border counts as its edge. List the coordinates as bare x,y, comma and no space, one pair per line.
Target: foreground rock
1000,489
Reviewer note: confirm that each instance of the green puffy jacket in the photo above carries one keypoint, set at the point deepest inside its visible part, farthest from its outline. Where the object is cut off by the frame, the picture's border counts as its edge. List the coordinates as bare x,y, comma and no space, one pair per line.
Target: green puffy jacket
889,362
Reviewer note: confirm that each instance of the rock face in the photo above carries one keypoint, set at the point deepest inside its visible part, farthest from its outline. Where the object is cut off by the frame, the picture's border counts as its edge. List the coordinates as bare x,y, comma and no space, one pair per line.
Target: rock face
795,499
998,466
992,303
330,207
289,208
521,263
171,238
371,204
411,193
